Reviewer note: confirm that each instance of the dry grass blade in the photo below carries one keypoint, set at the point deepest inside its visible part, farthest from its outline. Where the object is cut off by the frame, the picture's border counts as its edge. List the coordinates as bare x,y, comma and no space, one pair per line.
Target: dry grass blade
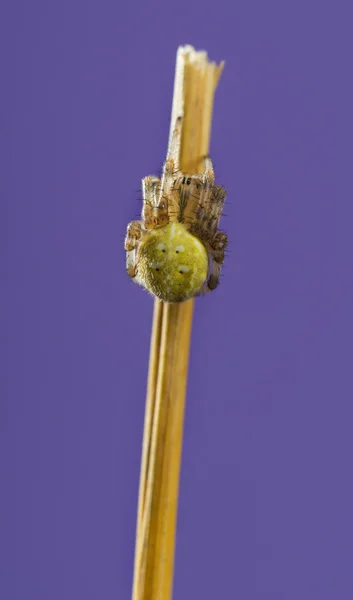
195,83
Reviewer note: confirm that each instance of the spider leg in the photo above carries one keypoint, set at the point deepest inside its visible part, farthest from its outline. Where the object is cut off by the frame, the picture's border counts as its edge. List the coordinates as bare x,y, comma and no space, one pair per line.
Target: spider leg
173,154
217,250
155,205
213,278
207,181
208,173
133,235
171,165
218,247
208,212
216,206
169,192
150,189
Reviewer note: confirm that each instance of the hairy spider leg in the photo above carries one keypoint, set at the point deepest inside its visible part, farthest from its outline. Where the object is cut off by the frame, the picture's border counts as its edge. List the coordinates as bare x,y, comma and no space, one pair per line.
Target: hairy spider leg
133,235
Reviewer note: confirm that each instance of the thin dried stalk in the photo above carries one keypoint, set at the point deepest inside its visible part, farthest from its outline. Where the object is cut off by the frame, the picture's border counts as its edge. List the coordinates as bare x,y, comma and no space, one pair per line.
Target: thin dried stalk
195,83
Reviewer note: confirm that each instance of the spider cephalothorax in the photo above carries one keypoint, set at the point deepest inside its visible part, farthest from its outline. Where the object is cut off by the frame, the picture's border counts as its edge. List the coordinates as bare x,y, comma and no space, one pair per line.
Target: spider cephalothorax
176,250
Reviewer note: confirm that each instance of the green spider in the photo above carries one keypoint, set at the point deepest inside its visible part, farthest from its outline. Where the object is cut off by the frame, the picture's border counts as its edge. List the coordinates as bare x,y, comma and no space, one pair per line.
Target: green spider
176,250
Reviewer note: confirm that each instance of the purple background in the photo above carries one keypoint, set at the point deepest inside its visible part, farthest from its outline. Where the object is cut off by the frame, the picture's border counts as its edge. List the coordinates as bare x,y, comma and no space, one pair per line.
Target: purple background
266,487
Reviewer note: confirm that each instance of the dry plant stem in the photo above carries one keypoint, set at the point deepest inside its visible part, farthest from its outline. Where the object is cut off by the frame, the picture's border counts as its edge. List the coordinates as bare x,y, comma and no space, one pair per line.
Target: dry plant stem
195,83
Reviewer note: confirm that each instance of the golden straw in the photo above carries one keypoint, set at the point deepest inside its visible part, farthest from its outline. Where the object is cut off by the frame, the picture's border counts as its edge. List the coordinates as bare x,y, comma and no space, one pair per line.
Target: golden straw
196,79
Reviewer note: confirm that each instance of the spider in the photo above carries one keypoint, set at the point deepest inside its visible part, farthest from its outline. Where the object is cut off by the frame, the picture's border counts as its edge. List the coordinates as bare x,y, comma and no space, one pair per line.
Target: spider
176,250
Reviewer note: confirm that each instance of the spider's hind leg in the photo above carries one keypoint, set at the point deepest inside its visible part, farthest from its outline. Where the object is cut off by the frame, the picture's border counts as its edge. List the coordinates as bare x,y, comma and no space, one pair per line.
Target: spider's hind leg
133,235
217,250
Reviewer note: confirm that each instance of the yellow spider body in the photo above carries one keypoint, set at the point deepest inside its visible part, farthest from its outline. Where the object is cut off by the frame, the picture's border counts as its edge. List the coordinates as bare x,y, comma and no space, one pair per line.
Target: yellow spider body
173,263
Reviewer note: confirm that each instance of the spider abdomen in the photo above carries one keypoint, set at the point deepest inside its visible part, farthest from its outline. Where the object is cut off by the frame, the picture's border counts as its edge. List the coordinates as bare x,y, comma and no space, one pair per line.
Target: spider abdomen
172,263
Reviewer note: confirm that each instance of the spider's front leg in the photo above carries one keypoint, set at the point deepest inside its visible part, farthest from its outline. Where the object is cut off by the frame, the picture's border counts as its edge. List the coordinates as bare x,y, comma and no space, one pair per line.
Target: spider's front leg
133,236
208,173
171,166
155,203
172,161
